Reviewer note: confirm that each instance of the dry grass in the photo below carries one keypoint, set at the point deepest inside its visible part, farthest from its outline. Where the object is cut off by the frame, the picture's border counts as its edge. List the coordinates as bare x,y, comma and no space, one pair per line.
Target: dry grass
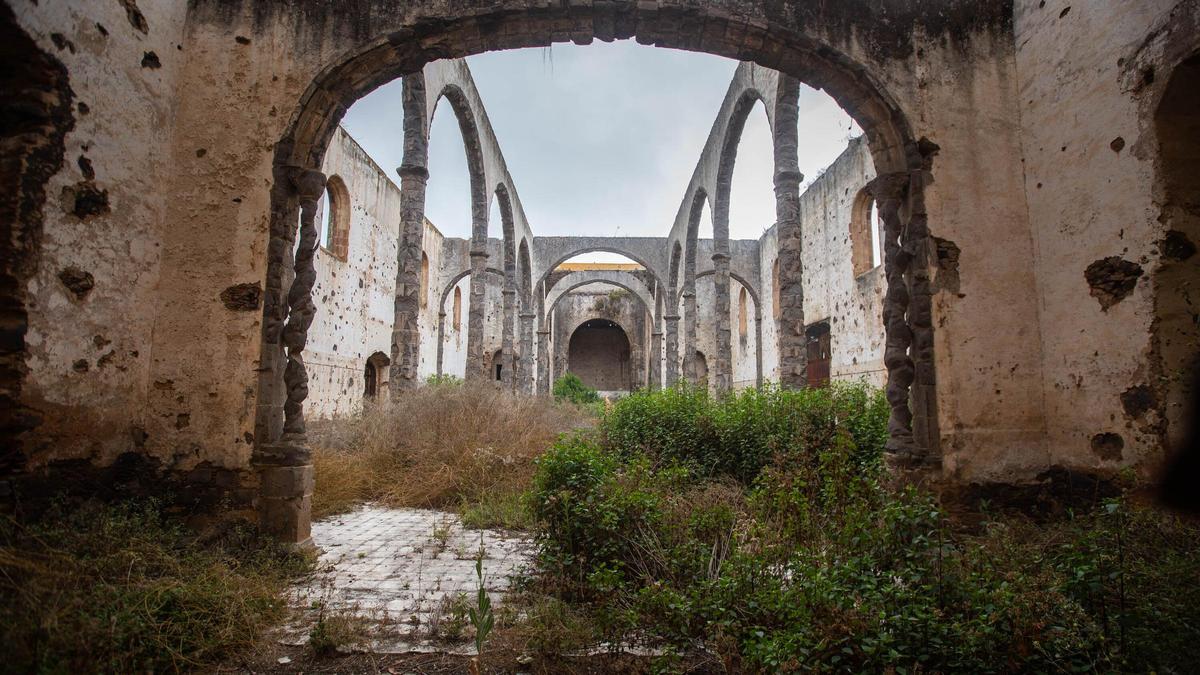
440,446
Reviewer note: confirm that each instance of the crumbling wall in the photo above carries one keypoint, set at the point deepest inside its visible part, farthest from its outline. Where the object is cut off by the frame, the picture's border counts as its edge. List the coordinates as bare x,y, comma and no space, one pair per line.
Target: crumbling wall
1088,76
853,305
355,296
92,299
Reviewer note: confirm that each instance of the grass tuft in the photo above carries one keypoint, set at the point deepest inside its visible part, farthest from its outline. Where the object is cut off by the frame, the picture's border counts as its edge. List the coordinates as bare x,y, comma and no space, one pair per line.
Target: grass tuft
445,445
125,589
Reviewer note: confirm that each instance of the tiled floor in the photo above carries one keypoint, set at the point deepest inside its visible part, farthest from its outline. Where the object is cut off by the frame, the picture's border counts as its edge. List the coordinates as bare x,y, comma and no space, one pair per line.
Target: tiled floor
402,570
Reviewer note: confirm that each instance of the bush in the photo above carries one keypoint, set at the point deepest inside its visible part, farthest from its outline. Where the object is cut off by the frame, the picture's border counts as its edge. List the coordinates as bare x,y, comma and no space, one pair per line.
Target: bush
570,388
758,526
123,589
740,434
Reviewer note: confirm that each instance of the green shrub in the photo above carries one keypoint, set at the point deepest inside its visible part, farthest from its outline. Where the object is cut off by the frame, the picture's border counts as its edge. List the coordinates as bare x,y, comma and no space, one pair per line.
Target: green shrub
743,432
760,526
587,508
124,589
570,388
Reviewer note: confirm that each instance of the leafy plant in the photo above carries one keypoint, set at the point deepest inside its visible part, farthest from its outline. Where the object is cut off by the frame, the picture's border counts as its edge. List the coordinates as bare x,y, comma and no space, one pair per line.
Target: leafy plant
481,615
570,388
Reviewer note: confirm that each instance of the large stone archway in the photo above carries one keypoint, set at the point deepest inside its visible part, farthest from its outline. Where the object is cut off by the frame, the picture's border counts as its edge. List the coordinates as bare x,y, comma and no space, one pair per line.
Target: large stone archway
899,158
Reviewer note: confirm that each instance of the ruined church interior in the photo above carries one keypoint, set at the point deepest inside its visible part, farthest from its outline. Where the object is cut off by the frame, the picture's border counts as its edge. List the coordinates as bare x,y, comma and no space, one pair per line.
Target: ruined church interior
602,336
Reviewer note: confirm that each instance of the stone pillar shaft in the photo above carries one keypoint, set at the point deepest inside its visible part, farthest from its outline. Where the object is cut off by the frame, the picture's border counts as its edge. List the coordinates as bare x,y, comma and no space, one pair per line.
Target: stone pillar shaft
507,346
543,362
406,334
793,344
672,353
722,362
441,338
689,335
285,466
758,348
525,361
656,361
476,364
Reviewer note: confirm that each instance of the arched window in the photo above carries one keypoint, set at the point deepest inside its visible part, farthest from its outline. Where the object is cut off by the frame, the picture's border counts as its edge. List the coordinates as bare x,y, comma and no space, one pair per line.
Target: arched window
457,308
775,303
335,218
424,280
865,234
742,314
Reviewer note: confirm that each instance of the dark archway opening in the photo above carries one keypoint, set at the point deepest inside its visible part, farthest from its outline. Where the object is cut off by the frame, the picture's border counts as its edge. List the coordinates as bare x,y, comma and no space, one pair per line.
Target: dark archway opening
599,354
820,353
1177,281
375,375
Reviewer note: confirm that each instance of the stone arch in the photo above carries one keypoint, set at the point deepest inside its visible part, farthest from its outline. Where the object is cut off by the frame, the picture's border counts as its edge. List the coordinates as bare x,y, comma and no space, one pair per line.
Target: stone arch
452,287
400,45
599,353
577,246
501,194
749,289
469,128
337,206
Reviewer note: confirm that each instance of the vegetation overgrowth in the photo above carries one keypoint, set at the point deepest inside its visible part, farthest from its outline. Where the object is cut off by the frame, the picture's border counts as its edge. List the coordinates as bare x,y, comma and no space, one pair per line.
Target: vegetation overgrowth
759,531
126,589
448,444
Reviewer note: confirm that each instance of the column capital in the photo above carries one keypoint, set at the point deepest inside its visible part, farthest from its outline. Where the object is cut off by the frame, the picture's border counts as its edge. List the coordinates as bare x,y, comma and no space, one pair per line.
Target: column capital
543,332
656,334
527,315
509,291
478,254
788,178
671,317
720,256
309,184
412,171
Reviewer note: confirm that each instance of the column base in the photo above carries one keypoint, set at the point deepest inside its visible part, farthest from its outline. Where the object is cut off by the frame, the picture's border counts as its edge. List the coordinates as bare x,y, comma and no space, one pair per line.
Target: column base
285,503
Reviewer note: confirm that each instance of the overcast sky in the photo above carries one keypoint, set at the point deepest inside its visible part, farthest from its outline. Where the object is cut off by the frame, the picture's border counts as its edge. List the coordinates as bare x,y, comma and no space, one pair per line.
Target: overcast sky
600,140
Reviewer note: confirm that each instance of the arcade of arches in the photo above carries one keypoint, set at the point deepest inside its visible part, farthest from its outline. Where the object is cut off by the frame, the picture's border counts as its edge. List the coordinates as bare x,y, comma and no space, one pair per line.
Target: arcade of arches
197,258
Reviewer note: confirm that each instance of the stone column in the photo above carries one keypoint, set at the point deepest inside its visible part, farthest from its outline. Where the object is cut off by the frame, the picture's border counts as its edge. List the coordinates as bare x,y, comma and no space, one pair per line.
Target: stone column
793,344
672,355
285,465
758,347
888,191
441,338
543,361
722,368
406,334
507,345
656,360
689,335
525,363
476,367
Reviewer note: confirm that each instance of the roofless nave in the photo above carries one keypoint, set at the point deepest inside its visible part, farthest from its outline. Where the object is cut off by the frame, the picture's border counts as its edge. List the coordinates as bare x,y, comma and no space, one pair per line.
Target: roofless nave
677,289
1035,264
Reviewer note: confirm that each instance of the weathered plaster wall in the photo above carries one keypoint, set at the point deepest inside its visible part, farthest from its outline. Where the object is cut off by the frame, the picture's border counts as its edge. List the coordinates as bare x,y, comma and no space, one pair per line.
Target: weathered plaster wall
1090,151
93,298
852,305
353,296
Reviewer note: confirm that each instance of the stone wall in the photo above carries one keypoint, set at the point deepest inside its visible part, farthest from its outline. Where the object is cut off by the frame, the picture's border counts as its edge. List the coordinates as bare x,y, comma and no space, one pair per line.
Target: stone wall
94,294
1089,77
